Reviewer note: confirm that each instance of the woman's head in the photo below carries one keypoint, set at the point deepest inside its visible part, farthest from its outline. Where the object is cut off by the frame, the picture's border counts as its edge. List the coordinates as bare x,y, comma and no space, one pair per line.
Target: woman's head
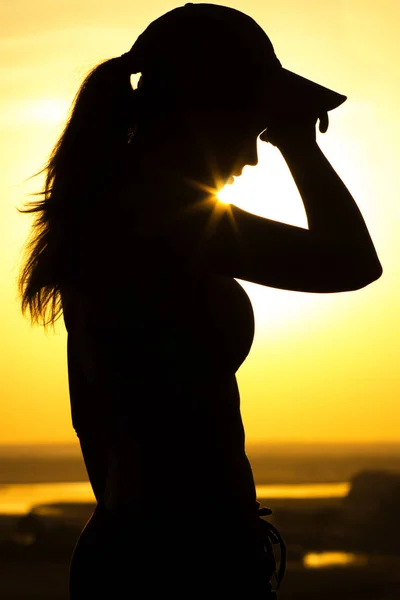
211,71
203,86
207,146
195,111
207,73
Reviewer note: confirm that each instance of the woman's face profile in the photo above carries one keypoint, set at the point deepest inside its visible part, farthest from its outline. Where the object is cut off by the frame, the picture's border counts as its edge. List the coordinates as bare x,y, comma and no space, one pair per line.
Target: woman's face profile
210,144
235,139
226,141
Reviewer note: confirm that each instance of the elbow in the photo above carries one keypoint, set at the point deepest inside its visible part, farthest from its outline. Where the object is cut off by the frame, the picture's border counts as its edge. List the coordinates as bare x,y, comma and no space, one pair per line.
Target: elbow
350,274
371,276
349,267
362,275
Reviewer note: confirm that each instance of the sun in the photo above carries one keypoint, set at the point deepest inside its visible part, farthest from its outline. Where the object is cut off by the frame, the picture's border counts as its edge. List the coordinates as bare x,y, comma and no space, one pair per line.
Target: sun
225,195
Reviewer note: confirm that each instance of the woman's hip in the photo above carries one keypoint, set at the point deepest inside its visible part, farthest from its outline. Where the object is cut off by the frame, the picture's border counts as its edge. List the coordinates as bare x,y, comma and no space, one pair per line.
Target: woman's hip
120,552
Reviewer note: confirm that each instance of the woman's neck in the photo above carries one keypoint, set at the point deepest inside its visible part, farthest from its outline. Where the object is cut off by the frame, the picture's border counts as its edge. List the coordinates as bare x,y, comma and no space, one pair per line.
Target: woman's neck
151,168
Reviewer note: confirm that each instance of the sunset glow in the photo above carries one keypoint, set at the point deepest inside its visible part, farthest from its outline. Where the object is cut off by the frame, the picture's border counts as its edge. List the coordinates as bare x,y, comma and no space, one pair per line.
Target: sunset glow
322,367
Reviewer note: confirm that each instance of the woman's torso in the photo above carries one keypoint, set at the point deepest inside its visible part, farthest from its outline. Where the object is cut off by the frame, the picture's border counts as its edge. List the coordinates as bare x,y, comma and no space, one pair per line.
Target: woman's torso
166,343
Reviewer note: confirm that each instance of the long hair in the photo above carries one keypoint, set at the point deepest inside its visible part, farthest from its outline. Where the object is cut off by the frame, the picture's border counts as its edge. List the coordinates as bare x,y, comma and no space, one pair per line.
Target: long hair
84,166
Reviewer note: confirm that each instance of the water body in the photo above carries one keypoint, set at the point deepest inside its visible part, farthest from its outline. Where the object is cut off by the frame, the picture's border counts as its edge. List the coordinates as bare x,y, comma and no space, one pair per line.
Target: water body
323,560
19,498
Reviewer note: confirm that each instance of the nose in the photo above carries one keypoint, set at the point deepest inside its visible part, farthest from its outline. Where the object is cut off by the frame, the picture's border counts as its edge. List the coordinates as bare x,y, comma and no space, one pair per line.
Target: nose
255,153
251,156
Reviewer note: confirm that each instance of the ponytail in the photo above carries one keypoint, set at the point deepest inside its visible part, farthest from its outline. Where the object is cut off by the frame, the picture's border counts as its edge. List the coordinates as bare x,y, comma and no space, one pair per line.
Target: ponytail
83,166
95,138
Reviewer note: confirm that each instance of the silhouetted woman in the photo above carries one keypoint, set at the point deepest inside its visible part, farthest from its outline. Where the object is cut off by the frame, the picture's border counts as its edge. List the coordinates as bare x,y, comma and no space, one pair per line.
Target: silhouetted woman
134,243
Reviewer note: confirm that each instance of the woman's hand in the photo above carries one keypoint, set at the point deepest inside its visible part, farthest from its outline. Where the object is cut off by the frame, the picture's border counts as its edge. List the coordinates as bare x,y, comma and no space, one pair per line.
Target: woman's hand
293,130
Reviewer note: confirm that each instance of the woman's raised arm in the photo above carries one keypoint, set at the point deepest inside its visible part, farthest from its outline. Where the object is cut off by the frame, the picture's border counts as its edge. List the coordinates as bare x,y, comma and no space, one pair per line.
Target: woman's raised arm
334,254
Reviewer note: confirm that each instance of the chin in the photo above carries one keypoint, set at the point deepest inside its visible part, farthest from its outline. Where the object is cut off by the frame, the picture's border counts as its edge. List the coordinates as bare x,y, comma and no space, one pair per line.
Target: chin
229,179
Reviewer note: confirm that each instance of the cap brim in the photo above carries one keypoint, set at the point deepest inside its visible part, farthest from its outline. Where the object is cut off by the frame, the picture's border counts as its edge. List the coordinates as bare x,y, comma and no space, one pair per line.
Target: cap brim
293,93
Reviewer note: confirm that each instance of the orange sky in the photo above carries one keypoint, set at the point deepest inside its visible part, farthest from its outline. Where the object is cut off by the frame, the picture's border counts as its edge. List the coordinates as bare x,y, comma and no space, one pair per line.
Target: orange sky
322,367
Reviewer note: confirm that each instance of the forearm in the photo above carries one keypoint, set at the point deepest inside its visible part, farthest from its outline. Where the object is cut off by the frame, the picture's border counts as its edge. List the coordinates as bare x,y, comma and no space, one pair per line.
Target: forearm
330,208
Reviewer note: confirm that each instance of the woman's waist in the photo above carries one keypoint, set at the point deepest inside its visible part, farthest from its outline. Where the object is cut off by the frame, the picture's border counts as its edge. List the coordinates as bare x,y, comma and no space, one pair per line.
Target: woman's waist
181,519
218,487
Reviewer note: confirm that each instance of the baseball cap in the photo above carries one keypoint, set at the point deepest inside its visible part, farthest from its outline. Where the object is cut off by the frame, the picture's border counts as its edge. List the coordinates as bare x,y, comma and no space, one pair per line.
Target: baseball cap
210,43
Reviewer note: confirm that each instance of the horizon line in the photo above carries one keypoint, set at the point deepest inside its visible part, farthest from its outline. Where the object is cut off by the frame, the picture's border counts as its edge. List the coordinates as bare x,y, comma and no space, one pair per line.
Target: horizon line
248,443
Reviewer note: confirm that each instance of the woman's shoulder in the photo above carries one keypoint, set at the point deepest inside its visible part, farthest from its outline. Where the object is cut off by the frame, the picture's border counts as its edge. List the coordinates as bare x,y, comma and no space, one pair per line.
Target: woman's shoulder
130,232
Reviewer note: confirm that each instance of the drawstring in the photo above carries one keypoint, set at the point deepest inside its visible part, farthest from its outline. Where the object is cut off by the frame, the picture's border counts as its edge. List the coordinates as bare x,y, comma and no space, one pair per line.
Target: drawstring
271,534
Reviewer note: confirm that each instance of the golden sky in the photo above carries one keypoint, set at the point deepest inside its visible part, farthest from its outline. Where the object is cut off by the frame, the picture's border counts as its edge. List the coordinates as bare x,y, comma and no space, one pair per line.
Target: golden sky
322,367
